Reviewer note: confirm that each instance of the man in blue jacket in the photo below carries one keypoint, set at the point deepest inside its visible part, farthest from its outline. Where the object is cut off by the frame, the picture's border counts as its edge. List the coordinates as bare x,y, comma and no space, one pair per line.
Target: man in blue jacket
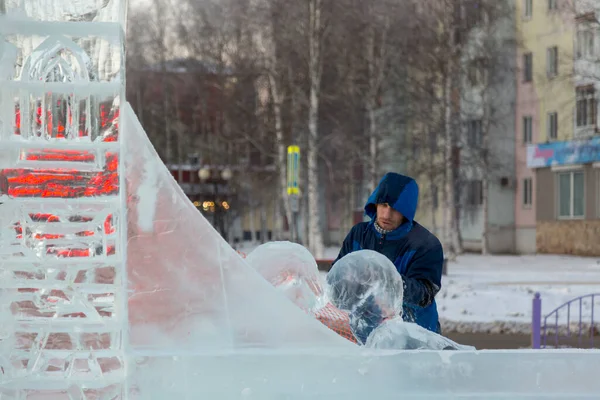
416,252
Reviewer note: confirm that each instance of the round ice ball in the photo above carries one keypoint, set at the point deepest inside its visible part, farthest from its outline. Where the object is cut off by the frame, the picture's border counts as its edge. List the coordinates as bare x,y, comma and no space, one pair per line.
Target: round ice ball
367,285
292,270
396,334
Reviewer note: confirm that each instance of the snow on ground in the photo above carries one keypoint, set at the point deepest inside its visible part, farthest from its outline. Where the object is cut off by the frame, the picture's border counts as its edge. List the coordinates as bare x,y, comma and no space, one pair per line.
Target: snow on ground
494,293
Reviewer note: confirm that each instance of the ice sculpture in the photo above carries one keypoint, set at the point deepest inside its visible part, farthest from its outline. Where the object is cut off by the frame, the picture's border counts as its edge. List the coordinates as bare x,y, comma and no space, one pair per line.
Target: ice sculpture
113,286
62,211
190,291
397,334
292,270
366,284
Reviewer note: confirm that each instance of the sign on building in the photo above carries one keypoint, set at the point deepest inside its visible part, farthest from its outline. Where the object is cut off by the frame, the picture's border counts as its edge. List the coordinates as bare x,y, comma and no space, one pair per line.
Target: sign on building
545,155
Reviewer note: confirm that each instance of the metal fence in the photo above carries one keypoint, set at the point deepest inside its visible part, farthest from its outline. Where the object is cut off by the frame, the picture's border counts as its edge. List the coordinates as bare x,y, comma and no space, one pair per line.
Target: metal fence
572,324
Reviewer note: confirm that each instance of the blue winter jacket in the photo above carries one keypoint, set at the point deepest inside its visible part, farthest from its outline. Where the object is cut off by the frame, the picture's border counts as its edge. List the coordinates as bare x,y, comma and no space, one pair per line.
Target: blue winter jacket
416,252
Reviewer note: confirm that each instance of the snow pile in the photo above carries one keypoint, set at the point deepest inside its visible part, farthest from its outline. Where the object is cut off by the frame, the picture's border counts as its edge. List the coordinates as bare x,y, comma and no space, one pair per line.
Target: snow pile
493,294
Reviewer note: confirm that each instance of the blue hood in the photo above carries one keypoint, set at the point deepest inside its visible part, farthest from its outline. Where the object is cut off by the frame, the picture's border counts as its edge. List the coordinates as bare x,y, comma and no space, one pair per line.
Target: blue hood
400,192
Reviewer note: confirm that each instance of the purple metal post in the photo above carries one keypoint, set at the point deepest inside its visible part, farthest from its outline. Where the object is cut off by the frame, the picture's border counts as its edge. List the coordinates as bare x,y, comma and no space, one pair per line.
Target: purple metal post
536,319
592,324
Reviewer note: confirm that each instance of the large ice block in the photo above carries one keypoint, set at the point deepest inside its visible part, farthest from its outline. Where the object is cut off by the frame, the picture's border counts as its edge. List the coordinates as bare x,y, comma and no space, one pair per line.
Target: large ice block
190,291
430,375
63,286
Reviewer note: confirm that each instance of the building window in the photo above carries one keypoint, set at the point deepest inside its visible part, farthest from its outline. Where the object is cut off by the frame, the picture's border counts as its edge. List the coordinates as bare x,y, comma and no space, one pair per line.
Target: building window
571,194
527,8
585,44
527,67
474,193
527,192
474,133
527,129
552,5
552,61
586,106
552,126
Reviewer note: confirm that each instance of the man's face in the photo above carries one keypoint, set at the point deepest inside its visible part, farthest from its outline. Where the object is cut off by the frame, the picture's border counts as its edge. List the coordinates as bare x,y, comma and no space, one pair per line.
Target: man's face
388,218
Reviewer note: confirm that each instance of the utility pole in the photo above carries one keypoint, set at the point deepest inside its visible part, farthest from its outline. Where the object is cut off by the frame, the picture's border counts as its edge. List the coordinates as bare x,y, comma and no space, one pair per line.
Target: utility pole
293,189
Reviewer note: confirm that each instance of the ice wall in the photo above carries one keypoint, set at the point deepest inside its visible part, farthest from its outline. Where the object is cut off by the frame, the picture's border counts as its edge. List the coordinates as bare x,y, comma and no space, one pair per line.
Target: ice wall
189,290
63,287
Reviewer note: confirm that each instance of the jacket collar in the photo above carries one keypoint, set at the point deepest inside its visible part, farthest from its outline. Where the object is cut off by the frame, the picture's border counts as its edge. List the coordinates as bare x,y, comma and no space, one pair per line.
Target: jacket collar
396,234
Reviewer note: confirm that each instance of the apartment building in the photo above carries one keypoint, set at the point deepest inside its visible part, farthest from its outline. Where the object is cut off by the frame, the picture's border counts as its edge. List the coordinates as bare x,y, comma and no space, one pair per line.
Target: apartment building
545,105
488,110
560,182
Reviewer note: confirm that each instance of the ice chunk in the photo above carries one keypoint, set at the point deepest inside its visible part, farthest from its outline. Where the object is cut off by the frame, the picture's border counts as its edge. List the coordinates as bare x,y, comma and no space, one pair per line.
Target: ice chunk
189,290
396,334
292,270
367,285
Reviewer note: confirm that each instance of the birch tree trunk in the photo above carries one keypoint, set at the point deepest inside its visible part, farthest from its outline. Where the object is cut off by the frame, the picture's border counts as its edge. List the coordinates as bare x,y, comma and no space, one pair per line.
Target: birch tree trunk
485,179
252,223
160,38
449,206
263,223
371,104
434,202
315,69
376,63
485,183
281,152
180,145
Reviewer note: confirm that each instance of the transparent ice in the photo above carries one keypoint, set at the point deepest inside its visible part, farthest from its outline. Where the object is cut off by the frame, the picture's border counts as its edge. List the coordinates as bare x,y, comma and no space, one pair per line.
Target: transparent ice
397,334
113,285
292,270
366,284
62,213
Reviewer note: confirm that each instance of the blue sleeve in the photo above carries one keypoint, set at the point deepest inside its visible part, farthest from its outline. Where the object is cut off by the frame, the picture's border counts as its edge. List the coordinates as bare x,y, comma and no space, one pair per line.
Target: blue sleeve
423,278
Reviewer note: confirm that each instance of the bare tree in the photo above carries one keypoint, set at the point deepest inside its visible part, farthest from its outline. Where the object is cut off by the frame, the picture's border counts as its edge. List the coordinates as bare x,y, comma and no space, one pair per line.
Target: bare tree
315,68
352,83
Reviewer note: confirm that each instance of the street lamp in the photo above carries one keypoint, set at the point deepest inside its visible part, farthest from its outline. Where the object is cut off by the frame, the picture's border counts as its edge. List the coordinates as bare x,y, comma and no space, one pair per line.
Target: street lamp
204,173
226,174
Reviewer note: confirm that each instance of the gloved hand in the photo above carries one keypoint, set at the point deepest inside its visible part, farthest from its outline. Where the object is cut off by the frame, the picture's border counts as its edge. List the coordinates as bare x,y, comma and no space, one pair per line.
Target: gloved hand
364,318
